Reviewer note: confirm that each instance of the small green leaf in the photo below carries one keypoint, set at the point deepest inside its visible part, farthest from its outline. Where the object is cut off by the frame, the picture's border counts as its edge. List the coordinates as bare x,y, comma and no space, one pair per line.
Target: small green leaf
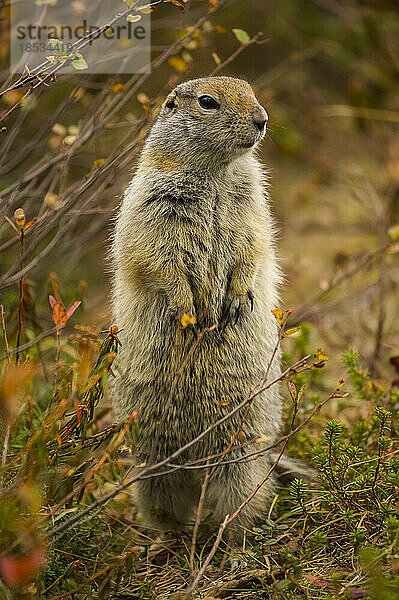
133,18
79,62
241,36
57,45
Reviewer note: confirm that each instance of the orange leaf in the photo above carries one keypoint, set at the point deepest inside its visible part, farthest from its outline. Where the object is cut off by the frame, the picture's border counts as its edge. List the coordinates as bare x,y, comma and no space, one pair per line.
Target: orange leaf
118,87
59,314
29,225
292,331
19,217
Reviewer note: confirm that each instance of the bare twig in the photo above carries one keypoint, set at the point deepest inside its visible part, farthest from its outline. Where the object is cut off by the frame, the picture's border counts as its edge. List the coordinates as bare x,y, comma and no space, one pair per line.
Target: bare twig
198,520
42,336
209,557
8,425
20,298
241,47
3,323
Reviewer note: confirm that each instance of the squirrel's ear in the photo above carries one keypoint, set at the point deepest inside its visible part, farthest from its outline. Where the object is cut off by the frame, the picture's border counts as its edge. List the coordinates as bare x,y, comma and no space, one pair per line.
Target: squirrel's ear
170,102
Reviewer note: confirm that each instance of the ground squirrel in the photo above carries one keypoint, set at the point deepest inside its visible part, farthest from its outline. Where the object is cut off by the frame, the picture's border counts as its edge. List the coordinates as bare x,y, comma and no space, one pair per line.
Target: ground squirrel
194,236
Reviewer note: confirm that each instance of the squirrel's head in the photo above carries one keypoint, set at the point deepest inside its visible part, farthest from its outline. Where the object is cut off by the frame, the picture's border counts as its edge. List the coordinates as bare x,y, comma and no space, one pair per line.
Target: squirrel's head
214,119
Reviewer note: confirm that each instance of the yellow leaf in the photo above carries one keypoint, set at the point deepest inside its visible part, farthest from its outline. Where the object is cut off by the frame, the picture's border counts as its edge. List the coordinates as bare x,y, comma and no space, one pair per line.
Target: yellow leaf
73,129
216,58
278,315
99,161
51,199
320,359
177,63
188,320
143,98
69,139
12,97
292,331
125,449
19,216
321,355
58,129
177,3
118,87
394,231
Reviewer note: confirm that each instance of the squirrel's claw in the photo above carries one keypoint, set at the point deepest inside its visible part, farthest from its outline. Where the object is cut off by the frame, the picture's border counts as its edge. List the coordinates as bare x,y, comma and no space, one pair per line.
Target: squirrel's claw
234,307
250,294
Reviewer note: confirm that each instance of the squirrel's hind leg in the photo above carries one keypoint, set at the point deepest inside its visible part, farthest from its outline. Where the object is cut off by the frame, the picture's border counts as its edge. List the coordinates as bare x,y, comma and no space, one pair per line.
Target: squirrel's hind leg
166,502
231,485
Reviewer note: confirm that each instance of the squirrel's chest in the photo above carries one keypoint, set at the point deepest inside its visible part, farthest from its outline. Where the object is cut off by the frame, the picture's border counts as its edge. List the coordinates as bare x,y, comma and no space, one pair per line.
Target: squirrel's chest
212,241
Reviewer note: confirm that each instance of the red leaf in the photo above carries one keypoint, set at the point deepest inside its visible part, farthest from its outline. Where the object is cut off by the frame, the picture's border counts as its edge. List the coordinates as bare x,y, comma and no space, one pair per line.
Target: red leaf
78,410
52,301
292,389
72,308
21,569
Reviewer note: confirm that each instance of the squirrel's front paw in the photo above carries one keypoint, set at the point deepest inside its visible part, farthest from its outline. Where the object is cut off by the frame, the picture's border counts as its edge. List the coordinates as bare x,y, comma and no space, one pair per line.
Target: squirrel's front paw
234,306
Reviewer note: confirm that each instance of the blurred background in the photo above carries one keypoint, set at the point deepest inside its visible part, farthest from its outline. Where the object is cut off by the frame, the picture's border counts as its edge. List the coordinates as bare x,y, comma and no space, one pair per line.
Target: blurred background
327,73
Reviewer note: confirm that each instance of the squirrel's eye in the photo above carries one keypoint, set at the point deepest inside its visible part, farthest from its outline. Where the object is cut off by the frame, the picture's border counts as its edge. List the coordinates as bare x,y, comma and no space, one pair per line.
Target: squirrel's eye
208,102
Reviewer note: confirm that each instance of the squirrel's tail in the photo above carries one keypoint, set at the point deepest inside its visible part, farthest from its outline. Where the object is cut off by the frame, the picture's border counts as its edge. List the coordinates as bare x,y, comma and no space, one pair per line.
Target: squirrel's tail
289,468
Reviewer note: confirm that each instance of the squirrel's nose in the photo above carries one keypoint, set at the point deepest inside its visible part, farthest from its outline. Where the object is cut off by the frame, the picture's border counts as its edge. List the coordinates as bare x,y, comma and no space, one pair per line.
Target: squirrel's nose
260,118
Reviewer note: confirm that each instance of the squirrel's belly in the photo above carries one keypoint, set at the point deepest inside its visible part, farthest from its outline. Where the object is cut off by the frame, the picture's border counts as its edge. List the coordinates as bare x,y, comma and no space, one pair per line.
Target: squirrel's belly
172,379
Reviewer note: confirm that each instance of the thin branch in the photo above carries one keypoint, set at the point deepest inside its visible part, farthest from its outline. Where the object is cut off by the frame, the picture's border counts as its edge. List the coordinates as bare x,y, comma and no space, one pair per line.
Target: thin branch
3,323
35,340
241,47
209,557
198,519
